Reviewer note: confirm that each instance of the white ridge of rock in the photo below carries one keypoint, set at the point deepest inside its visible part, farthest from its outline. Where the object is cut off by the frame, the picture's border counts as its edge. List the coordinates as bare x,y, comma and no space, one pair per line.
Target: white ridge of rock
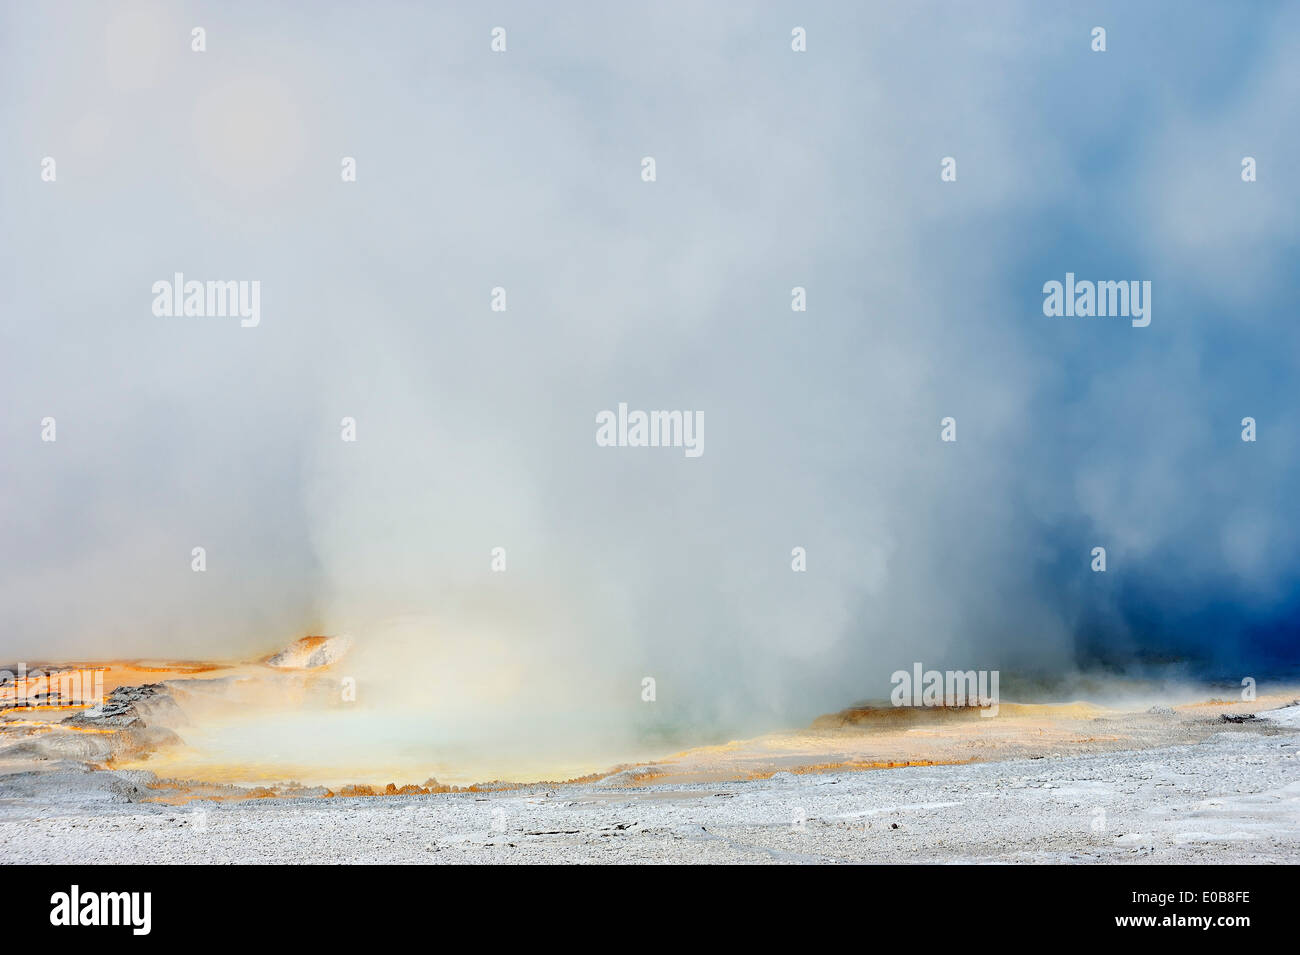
1288,715
309,653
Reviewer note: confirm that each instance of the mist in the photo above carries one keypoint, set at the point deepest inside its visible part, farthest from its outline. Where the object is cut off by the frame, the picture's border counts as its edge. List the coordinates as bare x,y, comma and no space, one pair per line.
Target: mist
475,429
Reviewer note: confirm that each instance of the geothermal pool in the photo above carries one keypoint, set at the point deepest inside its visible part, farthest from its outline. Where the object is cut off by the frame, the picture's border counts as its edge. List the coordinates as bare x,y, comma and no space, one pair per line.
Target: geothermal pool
339,747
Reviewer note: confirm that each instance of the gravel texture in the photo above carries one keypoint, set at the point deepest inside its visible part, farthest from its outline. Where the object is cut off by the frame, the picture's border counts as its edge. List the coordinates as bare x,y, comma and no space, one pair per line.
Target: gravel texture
1231,797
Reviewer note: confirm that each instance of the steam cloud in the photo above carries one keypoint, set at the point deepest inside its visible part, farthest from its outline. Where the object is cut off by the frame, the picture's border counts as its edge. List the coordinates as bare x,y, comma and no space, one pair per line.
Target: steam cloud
476,428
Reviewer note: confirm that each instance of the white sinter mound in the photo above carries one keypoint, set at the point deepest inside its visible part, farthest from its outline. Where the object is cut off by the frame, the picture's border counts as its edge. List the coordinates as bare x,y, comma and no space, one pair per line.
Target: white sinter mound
310,653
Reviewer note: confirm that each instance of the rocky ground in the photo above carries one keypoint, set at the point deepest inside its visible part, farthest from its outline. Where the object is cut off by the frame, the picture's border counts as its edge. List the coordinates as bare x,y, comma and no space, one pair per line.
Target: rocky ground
1231,796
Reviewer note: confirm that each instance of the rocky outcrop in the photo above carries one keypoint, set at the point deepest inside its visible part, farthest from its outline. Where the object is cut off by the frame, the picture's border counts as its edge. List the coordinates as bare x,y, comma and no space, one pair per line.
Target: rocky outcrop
311,653
131,707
